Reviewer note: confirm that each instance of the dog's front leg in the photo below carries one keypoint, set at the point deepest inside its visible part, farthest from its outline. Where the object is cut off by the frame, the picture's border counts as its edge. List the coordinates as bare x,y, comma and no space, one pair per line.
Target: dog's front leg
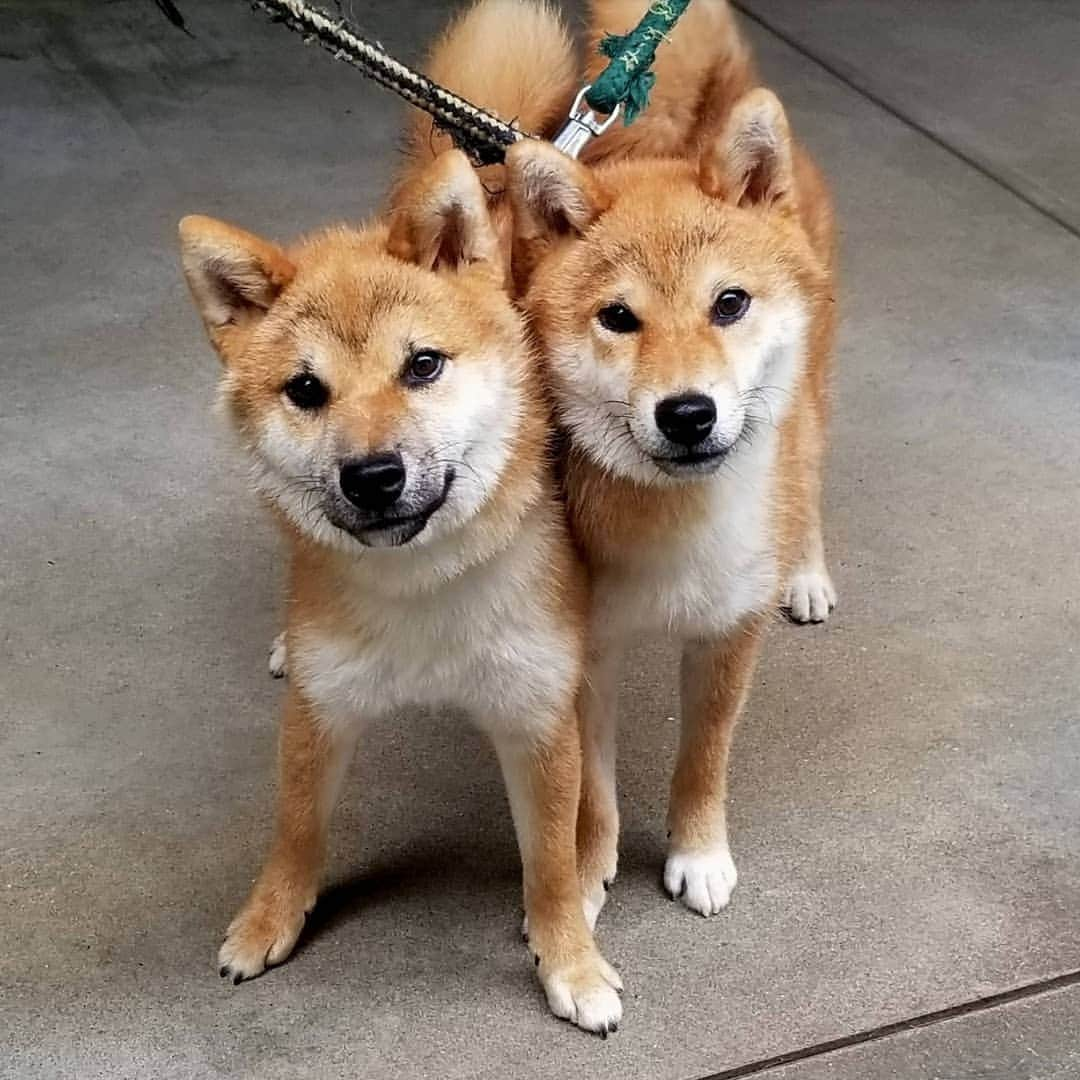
716,678
313,759
542,774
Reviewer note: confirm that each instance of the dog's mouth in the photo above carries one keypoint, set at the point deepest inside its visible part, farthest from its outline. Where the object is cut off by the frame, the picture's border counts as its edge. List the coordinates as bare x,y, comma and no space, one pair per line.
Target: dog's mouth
693,459
395,530
692,462
700,459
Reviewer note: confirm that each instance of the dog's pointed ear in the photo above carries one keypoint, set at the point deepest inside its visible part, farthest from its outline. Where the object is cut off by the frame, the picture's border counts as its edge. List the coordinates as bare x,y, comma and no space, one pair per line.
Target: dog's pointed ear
233,276
551,195
751,163
550,192
440,217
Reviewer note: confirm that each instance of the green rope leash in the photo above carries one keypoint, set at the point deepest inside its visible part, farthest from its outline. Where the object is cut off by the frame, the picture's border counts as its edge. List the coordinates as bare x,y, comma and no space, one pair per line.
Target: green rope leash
627,80
624,83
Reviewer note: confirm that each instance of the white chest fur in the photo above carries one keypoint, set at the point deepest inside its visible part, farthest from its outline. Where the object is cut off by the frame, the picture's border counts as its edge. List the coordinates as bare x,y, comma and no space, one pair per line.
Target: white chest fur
699,580
484,642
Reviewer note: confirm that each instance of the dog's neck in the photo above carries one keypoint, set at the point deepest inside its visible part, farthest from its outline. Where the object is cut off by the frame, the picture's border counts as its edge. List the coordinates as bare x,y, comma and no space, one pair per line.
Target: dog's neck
612,515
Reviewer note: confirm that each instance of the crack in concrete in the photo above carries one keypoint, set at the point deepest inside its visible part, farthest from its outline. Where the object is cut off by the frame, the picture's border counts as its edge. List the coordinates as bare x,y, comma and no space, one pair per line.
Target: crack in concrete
899,1027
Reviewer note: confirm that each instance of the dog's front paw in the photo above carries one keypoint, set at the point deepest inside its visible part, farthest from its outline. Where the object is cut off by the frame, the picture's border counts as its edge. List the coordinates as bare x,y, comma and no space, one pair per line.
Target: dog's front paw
262,935
279,657
702,880
585,992
810,595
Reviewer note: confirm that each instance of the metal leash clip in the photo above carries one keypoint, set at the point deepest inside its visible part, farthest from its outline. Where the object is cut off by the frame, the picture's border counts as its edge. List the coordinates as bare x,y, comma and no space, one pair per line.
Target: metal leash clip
582,125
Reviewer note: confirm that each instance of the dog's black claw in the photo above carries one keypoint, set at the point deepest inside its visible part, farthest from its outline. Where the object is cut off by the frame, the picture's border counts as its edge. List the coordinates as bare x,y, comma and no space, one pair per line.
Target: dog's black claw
224,970
603,1033
536,959
614,1027
237,979
607,884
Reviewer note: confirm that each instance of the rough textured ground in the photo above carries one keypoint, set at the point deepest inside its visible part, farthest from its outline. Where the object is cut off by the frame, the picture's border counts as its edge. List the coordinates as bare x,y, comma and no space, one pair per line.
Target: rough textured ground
905,805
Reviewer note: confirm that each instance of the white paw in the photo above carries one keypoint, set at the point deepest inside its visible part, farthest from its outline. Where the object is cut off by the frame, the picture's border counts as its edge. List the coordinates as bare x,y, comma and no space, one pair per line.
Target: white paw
262,935
586,994
810,595
279,657
703,880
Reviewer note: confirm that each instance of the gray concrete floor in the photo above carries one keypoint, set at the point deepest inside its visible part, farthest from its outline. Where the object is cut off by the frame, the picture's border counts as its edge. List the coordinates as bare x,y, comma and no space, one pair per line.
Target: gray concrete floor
906,801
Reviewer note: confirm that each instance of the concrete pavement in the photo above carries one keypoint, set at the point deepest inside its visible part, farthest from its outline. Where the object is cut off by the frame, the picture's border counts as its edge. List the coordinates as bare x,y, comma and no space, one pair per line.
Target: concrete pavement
905,794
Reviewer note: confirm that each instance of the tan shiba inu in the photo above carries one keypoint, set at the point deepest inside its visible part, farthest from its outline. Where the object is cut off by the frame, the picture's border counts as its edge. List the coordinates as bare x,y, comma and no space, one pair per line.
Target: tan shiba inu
680,283
382,382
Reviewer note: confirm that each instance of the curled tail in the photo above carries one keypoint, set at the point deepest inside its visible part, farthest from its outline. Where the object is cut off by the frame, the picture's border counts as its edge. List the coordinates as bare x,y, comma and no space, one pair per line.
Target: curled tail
701,71
513,58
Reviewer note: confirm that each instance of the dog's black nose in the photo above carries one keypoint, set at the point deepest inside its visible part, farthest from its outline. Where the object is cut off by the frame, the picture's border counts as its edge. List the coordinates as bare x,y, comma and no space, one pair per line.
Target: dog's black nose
686,419
375,482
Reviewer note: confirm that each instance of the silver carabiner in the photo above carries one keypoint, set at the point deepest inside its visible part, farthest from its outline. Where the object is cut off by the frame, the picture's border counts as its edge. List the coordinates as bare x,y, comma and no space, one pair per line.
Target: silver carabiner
582,125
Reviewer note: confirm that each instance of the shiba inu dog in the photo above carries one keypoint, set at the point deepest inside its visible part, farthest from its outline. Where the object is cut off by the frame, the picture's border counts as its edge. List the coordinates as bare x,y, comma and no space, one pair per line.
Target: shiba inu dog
679,279
385,390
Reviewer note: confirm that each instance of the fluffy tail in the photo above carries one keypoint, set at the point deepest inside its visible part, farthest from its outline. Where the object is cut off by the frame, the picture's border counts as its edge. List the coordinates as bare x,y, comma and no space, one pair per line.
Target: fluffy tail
513,58
701,71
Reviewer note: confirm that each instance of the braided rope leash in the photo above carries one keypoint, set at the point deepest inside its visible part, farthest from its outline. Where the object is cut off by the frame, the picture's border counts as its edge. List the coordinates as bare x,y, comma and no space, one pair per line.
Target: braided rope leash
483,136
625,83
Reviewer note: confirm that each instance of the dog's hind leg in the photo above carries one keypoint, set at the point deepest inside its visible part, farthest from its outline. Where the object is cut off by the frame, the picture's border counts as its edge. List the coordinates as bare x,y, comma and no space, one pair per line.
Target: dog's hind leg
314,757
279,657
598,812
809,595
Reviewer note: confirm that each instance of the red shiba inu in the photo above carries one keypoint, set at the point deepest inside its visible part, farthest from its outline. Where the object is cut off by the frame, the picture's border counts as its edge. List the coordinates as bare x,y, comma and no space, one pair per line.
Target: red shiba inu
383,385
680,283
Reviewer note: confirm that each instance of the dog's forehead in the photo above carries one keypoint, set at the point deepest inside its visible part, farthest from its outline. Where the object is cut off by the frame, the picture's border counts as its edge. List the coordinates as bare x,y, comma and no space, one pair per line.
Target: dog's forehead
358,302
687,242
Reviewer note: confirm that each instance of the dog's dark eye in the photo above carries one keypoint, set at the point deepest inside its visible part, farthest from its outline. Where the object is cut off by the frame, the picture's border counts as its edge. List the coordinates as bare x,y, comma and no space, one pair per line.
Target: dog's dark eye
305,391
730,306
618,318
424,366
